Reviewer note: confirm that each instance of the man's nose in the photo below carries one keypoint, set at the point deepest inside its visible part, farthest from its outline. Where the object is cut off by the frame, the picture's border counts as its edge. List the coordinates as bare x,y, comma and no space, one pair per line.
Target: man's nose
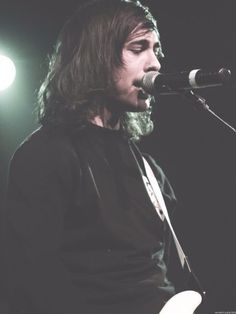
152,63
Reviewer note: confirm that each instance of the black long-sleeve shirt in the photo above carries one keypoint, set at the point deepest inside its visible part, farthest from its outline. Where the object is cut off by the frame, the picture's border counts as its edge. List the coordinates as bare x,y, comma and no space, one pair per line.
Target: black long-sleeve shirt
82,233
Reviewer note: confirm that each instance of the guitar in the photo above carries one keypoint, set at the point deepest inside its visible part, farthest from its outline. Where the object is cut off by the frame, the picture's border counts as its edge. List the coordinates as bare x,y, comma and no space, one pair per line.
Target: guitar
184,302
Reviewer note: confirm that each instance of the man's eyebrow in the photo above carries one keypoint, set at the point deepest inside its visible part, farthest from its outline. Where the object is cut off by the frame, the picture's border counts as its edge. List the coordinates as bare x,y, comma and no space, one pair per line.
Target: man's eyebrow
143,42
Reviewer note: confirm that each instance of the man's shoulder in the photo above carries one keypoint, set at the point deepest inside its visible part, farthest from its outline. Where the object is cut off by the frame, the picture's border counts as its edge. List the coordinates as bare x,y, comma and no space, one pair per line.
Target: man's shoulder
44,146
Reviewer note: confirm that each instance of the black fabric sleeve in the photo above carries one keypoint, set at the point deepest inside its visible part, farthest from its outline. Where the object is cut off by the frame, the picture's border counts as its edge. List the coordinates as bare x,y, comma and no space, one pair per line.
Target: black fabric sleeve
41,181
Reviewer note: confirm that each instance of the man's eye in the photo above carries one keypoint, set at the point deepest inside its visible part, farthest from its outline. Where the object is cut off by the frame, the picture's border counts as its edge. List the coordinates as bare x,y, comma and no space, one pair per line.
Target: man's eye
136,50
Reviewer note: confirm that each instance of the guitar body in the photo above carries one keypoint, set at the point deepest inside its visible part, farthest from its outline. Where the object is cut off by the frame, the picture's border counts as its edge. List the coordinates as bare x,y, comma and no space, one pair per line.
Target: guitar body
184,302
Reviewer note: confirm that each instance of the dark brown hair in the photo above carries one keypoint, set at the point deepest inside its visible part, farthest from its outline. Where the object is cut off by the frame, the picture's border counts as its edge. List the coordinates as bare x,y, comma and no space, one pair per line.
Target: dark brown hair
87,52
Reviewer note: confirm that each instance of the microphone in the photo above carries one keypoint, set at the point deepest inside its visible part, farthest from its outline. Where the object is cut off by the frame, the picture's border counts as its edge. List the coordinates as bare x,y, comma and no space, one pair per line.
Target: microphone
156,83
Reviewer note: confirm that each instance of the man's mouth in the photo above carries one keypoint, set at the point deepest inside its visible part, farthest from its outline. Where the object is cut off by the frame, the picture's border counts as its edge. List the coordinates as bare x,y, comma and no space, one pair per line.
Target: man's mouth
141,93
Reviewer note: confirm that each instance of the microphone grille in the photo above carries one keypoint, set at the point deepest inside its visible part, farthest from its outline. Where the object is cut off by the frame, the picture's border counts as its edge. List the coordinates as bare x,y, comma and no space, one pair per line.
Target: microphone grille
148,81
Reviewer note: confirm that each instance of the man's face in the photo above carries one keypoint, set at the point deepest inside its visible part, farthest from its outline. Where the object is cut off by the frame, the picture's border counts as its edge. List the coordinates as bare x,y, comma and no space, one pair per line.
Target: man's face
140,55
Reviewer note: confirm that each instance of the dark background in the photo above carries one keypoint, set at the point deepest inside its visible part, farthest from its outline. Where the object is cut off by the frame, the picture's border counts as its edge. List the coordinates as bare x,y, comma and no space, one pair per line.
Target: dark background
196,152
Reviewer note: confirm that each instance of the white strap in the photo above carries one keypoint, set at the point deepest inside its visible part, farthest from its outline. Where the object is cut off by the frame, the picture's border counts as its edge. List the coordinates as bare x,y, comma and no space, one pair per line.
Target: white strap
157,191
153,198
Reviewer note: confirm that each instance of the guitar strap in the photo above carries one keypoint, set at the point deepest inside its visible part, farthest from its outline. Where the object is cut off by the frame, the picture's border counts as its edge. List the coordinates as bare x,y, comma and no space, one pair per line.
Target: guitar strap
159,199
161,209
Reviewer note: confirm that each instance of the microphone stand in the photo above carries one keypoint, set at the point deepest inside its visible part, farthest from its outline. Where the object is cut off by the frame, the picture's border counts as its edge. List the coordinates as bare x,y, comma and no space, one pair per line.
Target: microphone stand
200,103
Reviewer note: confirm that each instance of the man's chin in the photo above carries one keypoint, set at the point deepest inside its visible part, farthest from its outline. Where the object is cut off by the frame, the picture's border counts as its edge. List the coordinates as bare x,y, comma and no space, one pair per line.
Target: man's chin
143,104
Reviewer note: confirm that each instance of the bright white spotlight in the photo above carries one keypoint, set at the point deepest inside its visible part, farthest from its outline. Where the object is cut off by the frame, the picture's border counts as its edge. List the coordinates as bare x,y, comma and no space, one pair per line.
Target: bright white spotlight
7,72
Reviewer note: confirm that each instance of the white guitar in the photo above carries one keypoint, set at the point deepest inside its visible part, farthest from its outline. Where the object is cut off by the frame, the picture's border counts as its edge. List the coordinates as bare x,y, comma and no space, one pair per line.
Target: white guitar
184,302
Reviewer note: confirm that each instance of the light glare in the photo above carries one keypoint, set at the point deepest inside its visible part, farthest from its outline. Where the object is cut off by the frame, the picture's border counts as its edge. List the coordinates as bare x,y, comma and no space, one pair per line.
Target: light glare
7,72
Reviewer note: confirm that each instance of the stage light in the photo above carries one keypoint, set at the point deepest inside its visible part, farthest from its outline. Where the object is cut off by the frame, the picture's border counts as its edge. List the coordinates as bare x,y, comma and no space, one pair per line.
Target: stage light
7,72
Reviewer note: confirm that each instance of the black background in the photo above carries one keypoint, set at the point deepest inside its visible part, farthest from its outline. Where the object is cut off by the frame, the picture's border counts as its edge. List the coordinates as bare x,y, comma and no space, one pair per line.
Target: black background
196,152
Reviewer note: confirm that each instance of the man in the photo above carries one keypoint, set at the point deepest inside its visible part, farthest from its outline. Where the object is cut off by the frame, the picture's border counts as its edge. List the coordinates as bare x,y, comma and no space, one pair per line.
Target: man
83,235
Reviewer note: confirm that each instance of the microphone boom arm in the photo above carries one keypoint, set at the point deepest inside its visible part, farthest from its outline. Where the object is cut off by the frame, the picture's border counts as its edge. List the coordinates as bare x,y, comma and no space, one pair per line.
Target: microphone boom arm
200,103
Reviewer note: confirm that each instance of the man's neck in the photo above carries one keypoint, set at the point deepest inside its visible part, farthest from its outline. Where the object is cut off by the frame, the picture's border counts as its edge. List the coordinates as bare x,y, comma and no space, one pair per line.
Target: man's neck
107,120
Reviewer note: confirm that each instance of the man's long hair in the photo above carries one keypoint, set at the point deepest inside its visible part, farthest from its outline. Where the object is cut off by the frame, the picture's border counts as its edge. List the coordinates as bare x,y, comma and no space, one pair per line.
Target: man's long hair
82,67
